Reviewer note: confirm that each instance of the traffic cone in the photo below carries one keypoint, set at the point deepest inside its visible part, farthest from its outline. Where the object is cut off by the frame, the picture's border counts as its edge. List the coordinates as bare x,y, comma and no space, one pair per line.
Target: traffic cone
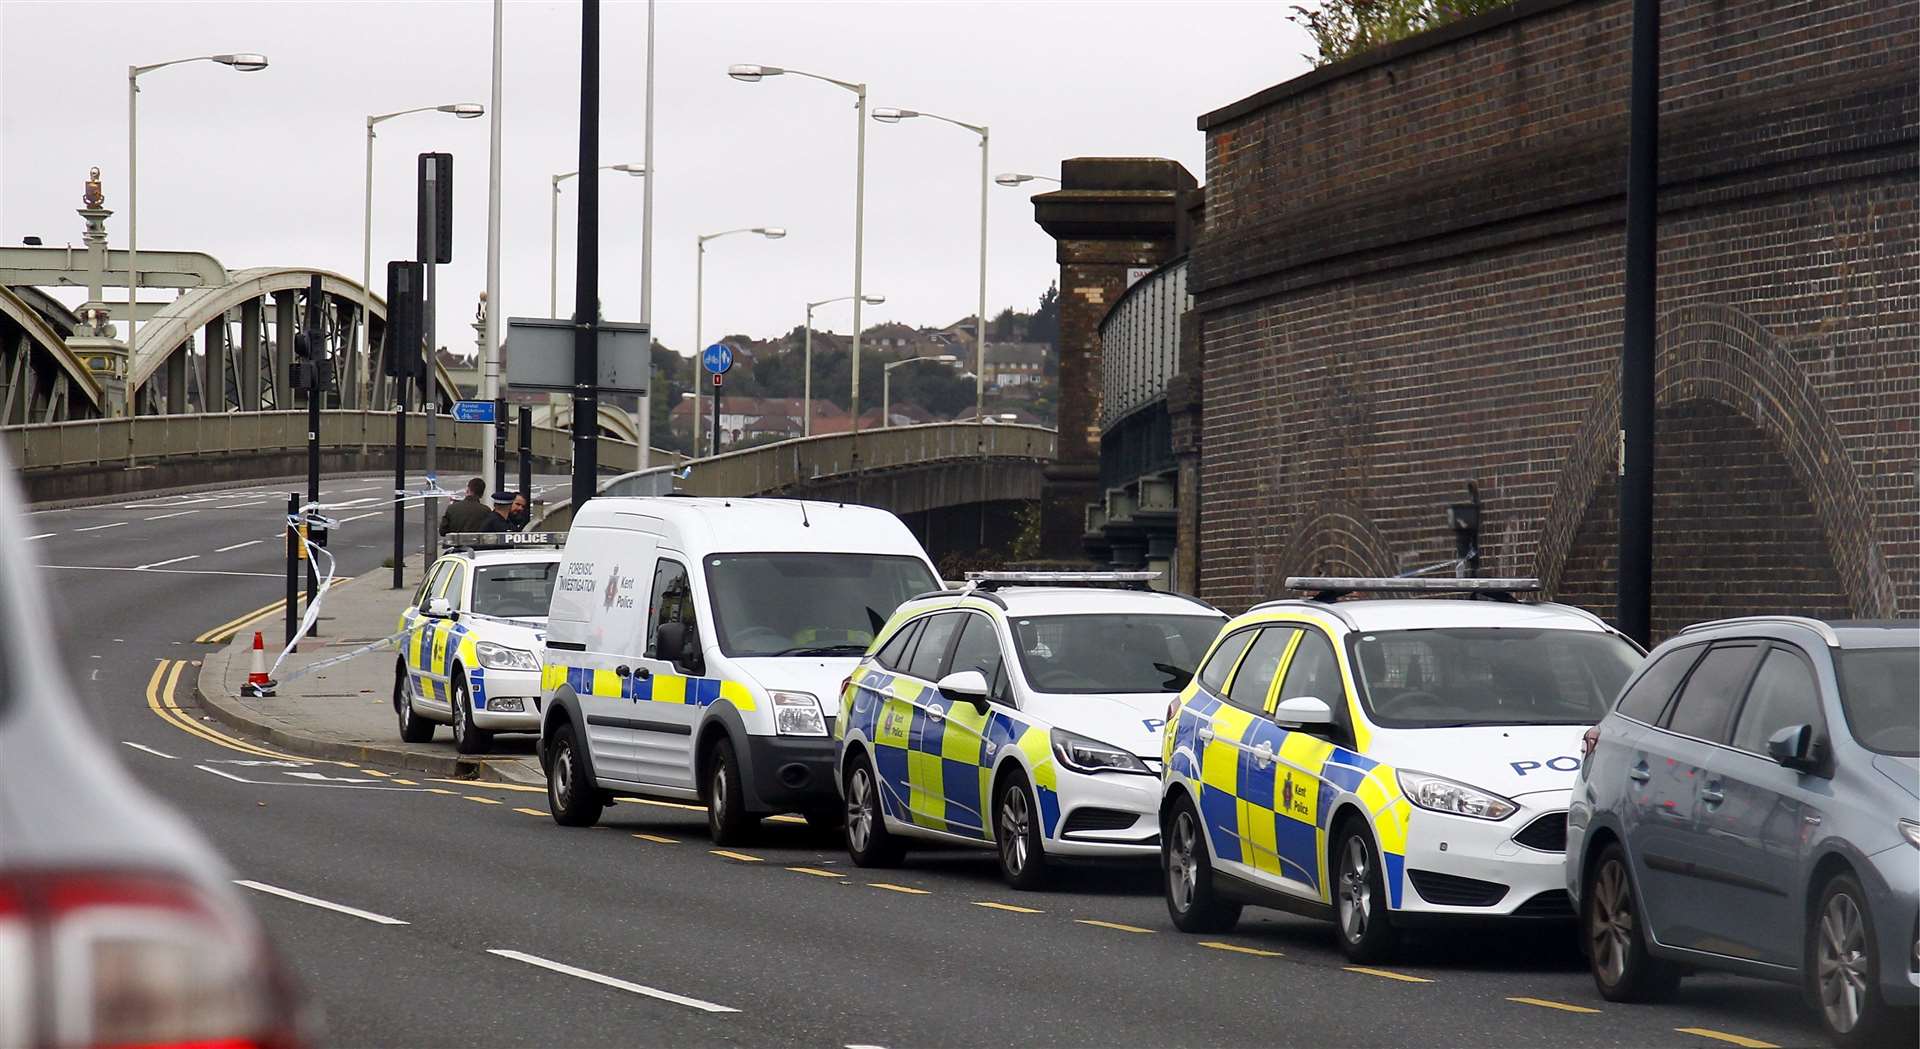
258,684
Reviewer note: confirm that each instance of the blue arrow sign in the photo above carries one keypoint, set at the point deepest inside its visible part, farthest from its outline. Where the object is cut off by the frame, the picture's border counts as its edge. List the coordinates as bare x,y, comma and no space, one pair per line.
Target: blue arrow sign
474,412
717,358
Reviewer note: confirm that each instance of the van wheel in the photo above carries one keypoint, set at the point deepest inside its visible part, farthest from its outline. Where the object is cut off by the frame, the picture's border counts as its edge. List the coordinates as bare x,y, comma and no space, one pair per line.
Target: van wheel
1023,859
1192,901
1616,935
1844,972
413,727
467,739
868,842
727,819
1360,899
572,797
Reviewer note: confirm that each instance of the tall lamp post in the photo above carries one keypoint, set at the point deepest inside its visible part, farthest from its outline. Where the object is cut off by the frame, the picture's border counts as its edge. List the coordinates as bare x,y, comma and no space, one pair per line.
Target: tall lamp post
245,63
1015,178
462,110
806,367
894,116
553,230
752,74
886,380
699,305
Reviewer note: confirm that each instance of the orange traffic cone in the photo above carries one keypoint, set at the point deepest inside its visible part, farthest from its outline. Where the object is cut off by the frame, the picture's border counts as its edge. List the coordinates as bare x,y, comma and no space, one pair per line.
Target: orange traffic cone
258,684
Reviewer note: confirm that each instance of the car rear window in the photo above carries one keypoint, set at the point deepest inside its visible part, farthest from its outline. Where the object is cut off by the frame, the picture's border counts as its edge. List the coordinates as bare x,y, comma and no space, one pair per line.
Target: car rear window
1877,690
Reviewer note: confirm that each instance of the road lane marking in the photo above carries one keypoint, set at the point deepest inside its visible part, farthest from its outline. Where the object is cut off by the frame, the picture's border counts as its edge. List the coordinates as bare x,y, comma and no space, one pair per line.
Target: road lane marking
1385,974
1731,1039
96,528
608,981
477,785
441,790
481,800
314,901
786,817
407,782
42,535
160,700
163,517
816,872
373,772
150,750
1015,908
660,839
1098,924
662,804
242,546
223,775
533,812
1545,1004
162,571
908,889
741,856
174,561
1237,949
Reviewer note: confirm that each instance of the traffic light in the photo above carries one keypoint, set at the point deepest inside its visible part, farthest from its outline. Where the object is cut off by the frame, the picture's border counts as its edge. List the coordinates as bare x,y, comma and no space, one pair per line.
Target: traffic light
435,212
406,315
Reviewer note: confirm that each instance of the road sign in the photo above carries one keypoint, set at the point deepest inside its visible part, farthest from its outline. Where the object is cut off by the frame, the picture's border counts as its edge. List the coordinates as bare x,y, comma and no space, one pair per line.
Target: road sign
474,412
717,358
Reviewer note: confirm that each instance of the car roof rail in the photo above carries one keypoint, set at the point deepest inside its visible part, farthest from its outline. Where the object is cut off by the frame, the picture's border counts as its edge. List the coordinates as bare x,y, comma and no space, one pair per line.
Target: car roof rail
964,591
1817,626
1328,607
1332,588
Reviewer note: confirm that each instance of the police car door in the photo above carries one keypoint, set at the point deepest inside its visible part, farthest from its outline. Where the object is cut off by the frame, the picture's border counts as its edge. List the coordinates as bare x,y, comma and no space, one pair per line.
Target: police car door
915,714
1237,764
417,646
1299,805
444,646
956,729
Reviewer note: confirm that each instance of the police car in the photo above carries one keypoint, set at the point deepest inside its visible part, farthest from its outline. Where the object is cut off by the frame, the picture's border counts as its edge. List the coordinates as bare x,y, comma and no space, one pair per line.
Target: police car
470,640
1384,763
1018,714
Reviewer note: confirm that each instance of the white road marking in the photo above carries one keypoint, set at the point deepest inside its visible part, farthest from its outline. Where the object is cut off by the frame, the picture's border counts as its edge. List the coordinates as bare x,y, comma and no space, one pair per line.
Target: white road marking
96,528
312,901
181,513
330,779
160,571
42,535
174,561
223,775
237,546
368,488
608,981
337,784
150,750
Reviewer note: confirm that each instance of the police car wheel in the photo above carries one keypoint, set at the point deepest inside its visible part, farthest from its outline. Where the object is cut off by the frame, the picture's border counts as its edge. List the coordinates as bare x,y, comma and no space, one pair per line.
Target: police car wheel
1192,901
1023,861
1360,899
467,739
727,819
413,727
868,842
1616,935
573,799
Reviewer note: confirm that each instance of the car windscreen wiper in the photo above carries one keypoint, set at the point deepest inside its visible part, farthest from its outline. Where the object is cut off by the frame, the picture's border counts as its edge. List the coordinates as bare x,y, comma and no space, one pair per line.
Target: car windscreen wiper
847,649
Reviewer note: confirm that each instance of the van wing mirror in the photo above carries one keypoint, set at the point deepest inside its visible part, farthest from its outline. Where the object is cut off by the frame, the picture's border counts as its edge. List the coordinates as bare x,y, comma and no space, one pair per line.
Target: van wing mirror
679,644
968,686
1793,747
1303,711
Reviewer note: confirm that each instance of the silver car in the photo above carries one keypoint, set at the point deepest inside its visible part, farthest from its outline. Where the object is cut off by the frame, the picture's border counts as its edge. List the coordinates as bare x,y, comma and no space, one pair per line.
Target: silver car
1752,804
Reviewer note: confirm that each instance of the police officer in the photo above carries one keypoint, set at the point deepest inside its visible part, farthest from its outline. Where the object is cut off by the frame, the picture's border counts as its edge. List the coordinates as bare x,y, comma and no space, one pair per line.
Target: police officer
469,514
497,520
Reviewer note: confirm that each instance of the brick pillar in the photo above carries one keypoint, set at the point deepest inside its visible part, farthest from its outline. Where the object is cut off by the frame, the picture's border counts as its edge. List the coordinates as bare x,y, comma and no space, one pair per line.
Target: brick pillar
1110,215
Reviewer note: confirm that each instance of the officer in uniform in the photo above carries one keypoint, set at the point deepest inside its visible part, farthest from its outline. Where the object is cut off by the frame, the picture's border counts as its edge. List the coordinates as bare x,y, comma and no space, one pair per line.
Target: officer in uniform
497,521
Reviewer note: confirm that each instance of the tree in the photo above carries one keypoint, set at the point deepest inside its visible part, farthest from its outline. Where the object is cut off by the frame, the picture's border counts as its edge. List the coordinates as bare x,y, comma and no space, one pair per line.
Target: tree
1342,29
1045,325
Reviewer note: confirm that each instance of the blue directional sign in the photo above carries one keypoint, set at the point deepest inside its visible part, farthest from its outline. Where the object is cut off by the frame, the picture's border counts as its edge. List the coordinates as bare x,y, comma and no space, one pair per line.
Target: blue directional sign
717,358
474,412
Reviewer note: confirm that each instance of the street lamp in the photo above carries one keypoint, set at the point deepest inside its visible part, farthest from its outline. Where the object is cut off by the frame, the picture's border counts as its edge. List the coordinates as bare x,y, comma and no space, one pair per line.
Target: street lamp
462,110
806,396
894,116
699,304
753,74
886,380
245,63
1015,178
553,231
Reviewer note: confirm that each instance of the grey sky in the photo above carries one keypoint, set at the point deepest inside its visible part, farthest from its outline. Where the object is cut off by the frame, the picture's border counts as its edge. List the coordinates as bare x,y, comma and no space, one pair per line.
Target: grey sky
265,168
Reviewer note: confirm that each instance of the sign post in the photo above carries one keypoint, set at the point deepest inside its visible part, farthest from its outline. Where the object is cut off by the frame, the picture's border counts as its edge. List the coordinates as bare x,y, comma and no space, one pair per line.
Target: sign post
718,359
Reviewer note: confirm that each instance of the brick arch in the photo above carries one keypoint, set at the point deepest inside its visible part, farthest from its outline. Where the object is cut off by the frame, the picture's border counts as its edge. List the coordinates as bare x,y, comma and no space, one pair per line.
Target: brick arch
1337,537
1718,353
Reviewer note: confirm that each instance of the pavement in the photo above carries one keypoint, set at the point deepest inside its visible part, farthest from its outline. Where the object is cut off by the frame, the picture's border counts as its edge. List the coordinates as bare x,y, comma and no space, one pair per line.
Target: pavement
345,711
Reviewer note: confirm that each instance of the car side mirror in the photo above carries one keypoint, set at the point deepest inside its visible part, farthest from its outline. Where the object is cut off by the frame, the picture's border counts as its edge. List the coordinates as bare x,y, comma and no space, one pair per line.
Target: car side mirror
965,685
1303,712
440,608
1793,747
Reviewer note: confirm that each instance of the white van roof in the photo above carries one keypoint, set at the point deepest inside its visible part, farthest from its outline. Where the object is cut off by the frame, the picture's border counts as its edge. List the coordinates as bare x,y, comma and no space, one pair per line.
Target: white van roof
700,526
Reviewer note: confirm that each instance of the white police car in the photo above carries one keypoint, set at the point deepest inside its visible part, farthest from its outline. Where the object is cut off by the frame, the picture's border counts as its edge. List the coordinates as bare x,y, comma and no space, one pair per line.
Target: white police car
470,654
1383,763
1018,714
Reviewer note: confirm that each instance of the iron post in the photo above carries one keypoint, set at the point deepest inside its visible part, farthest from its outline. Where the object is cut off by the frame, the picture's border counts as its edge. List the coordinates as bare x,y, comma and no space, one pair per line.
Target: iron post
1634,586
586,295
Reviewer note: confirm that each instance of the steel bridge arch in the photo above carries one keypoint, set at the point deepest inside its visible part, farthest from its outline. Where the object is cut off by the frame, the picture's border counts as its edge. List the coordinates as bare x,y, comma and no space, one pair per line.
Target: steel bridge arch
71,392
613,421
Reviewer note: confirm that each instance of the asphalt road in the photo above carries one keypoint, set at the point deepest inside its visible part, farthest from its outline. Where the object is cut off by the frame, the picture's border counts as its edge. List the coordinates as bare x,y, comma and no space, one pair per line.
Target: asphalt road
429,912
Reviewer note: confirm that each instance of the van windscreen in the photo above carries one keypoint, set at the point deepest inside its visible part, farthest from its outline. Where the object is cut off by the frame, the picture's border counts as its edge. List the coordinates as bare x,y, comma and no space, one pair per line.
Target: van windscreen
807,604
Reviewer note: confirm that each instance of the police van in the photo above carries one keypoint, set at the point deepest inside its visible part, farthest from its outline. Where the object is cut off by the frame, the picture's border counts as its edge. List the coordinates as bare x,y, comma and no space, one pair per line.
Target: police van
470,639
1384,763
1021,714
696,649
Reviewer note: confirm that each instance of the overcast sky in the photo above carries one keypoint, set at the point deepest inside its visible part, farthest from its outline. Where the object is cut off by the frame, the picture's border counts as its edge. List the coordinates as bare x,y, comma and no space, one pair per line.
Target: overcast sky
266,168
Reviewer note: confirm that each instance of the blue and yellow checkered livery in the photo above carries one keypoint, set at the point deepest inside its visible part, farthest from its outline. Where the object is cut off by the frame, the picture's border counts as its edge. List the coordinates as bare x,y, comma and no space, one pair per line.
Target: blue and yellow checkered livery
655,688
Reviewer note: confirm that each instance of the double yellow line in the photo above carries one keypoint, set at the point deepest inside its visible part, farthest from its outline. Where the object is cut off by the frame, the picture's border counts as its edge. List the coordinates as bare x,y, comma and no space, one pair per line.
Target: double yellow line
160,699
224,633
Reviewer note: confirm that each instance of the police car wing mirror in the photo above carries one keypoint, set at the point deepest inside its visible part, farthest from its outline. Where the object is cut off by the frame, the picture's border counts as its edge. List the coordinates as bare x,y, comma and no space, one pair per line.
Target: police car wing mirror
440,608
1303,710
1793,747
968,686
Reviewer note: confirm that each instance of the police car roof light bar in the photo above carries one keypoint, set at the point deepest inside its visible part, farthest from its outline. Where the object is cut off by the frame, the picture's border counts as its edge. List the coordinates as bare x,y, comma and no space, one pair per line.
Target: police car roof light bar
987,581
501,540
1332,588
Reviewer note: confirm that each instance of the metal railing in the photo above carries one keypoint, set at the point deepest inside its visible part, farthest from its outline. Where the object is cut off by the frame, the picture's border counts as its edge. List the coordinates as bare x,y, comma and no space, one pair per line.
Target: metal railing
1140,341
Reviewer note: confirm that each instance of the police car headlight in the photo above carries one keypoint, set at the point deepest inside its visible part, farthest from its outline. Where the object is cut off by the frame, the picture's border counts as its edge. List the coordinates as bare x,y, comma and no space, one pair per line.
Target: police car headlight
1455,799
500,657
1086,755
798,714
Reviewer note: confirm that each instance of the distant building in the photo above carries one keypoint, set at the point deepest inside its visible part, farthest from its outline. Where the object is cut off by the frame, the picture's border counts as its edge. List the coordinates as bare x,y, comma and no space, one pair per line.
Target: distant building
1016,363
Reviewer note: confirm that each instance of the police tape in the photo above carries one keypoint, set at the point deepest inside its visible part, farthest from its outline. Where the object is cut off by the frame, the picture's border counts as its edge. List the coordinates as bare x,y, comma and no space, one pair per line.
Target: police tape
354,653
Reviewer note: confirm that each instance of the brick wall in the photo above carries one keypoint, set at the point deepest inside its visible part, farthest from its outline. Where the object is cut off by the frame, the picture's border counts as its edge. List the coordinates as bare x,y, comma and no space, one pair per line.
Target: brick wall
1410,278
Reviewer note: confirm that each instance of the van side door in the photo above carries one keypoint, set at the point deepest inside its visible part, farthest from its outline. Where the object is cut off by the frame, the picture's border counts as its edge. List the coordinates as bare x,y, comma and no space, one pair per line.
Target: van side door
664,715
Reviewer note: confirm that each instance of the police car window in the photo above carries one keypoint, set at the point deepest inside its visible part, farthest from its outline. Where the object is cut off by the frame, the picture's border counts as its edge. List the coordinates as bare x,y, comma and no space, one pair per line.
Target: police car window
979,649
1314,671
1783,693
672,601
514,590
1112,652
1448,677
1254,679
1648,697
450,586
931,654
893,654
1706,702
1213,677
808,604
430,584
